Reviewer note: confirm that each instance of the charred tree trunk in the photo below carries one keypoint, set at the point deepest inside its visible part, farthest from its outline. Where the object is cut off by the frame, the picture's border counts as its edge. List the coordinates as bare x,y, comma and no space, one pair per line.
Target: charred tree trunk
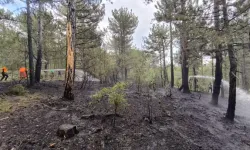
184,50
46,65
195,80
225,68
218,58
126,73
69,81
29,29
232,89
233,69
185,68
40,41
171,55
218,77
164,63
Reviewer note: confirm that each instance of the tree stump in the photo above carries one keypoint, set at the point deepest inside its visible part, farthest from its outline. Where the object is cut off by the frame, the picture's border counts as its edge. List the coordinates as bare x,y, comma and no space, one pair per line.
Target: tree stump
67,131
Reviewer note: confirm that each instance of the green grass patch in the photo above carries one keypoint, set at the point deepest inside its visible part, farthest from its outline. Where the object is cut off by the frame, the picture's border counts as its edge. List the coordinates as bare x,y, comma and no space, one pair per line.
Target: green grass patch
5,106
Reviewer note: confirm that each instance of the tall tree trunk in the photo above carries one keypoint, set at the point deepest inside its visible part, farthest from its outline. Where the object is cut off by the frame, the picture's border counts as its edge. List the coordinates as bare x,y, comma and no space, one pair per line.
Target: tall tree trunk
218,77
232,88
164,63
222,90
243,70
162,80
69,81
212,64
225,68
185,71
40,41
171,55
126,73
184,50
202,70
25,62
29,29
74,40
218,58
233,69
195,80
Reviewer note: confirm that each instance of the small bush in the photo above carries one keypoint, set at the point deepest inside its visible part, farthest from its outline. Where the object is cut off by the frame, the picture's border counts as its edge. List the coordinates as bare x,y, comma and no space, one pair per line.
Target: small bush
17,90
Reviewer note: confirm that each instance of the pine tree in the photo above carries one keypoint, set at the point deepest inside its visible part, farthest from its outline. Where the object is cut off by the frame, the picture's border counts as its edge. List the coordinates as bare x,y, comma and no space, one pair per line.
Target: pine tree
157,41
165,11
122,25
30,50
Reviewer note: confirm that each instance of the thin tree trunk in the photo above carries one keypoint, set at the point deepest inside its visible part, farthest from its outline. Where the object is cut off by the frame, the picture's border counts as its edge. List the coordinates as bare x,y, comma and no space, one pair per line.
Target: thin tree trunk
171,55
195,80
74,40
25,62
29,29
162,81
212,64
222,90
40,41
164,63
225,68
218,58
243,70
202,72
126,73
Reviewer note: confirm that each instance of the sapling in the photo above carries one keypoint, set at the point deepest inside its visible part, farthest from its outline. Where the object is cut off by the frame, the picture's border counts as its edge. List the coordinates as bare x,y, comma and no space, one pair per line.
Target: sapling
116,97
150,80
100,97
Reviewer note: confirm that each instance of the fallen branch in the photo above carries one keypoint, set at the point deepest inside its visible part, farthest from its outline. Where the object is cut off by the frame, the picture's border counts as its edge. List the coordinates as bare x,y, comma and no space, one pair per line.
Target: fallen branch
55,109
93,116
4,118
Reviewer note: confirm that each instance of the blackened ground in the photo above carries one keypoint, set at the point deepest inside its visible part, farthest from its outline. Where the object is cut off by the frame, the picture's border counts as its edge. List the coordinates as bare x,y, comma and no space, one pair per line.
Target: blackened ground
183,122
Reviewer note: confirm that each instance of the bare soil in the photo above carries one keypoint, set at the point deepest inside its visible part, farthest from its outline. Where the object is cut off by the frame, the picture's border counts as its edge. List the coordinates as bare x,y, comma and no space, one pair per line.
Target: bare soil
183,122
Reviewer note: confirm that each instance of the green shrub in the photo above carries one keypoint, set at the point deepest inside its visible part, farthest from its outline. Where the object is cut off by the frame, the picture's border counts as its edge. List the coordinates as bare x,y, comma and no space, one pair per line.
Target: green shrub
115,95
17,90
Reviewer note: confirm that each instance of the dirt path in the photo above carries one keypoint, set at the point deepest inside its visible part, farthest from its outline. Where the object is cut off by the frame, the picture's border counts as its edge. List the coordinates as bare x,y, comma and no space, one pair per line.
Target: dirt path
182,123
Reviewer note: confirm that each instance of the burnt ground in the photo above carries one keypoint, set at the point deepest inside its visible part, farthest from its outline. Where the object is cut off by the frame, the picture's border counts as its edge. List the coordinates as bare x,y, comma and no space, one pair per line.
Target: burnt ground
183,122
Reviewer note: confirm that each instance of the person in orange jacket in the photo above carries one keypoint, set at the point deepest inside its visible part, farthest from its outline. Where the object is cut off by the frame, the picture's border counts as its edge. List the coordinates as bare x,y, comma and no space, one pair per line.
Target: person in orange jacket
22,73
4,73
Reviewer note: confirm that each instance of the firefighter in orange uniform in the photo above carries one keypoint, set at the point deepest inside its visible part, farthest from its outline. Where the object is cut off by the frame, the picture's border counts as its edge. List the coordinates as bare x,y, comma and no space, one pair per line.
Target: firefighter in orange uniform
22,73
4,73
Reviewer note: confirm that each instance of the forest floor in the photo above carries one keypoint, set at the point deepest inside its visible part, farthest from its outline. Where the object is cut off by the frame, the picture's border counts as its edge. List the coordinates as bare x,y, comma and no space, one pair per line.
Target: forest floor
183,122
